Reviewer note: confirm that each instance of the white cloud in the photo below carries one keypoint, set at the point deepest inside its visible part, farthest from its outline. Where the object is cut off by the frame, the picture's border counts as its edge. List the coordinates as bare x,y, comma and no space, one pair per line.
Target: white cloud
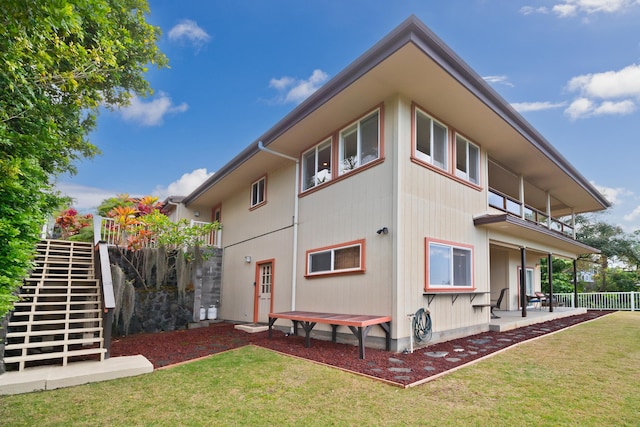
609,84
528,10
151,113
184,185
613,195
570,8
498,80
610,92
523,107
85,198
633,215
294,90
190,31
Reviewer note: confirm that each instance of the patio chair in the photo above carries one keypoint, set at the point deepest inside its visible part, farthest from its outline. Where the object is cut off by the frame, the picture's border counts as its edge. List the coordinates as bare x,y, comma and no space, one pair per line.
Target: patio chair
542,297
535,300
498,302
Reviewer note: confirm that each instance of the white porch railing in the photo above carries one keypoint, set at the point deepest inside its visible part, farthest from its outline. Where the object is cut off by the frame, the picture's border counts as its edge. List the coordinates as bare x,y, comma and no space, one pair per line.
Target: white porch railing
109,231
628,301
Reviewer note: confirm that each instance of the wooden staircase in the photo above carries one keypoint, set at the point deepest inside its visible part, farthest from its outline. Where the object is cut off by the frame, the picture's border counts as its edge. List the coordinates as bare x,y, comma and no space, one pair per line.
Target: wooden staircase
59,316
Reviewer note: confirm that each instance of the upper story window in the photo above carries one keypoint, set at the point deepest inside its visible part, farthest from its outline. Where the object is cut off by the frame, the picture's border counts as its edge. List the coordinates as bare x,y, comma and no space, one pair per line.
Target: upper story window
344,258
316,165
431,140
360,143
258,192
467,160
449,266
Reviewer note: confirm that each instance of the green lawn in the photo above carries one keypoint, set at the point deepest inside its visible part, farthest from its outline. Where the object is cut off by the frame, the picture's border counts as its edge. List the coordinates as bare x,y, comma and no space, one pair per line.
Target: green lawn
587,375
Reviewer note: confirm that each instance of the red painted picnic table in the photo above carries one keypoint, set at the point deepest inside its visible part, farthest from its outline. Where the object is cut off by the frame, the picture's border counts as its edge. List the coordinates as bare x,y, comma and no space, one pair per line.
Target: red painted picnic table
359,324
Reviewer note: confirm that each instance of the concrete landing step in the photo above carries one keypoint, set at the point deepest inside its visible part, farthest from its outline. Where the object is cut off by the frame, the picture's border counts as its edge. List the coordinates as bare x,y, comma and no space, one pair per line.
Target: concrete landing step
75,373
252,328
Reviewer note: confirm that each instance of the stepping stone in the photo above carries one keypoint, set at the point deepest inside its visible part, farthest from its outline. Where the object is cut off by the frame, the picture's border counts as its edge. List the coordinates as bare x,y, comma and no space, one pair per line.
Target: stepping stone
429,368
473,353
480,341
436,354
404,370
377,370
402,378
452,359
505,339
394,360
458,350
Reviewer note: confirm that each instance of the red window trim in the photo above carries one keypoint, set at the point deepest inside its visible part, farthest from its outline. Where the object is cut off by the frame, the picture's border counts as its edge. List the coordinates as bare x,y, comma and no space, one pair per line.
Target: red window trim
361,270
427,287
335,141
450,172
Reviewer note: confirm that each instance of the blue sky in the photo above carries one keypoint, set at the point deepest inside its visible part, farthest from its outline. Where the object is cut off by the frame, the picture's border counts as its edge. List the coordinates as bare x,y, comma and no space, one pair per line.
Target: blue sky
571,67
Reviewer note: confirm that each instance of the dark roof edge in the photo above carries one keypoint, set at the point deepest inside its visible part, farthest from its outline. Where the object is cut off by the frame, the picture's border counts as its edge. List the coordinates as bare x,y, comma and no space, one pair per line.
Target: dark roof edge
415,31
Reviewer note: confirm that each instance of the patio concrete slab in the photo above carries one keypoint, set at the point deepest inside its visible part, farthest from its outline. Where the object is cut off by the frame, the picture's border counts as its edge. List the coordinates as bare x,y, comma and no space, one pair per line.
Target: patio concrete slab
75,373
513,319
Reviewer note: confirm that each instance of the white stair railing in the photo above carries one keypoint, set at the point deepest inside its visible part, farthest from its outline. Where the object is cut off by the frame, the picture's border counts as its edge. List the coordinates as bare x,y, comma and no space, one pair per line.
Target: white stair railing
109,231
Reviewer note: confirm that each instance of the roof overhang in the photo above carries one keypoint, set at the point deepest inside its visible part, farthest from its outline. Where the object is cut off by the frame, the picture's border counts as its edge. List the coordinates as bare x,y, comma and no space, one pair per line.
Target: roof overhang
414,63
512,225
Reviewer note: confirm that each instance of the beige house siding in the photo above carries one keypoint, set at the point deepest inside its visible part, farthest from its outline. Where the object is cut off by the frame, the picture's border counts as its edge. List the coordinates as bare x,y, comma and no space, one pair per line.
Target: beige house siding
435,206
262,233
351,209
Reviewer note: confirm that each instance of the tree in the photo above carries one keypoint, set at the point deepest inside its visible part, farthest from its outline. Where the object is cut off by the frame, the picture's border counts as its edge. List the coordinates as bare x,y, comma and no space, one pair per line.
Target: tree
562,275
60,60
613,243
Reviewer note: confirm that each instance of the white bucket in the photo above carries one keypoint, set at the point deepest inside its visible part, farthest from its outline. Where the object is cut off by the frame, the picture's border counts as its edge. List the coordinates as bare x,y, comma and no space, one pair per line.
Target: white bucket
212,312
203,313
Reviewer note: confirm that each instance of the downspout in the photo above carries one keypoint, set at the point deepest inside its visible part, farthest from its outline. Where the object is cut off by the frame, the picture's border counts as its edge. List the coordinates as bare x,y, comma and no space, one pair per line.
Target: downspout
294,260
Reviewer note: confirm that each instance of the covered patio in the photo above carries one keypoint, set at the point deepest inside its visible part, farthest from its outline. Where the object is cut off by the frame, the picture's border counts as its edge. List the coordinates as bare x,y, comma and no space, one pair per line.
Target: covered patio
513,319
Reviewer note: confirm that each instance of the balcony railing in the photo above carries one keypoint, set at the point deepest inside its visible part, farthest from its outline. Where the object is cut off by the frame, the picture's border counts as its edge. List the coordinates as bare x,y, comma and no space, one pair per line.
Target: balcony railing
514,207
109,231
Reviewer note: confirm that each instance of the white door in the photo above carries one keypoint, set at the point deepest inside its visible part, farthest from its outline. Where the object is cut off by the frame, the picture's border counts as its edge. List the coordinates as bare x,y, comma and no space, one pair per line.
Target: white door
265,288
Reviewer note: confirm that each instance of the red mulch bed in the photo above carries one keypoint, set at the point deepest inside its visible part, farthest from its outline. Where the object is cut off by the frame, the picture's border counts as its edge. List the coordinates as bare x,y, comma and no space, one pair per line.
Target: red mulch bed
168,348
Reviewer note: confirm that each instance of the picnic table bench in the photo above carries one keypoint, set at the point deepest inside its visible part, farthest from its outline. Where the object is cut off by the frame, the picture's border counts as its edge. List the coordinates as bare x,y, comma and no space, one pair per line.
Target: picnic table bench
360,325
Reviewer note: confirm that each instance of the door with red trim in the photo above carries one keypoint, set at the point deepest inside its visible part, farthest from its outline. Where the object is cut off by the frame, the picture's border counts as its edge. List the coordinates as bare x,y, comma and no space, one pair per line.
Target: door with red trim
264,291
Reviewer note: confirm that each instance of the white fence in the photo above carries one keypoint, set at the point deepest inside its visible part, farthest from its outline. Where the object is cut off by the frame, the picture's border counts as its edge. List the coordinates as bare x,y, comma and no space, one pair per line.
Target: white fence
109,231
628,301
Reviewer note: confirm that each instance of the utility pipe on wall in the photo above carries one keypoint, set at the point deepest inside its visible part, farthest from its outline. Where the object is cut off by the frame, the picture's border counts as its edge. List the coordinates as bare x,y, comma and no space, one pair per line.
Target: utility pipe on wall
294,260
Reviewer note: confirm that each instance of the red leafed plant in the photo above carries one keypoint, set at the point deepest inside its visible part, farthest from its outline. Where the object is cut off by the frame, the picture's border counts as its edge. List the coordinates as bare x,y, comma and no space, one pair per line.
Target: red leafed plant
69,223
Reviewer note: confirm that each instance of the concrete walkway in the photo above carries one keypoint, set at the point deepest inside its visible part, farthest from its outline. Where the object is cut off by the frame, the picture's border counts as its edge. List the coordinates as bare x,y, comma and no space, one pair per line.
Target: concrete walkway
75,373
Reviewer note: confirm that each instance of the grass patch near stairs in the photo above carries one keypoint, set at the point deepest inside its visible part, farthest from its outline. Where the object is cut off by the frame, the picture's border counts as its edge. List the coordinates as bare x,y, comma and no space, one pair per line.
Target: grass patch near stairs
586,375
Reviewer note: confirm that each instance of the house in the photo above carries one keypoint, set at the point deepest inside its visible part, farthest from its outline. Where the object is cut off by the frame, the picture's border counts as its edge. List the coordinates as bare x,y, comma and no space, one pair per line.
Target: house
405,182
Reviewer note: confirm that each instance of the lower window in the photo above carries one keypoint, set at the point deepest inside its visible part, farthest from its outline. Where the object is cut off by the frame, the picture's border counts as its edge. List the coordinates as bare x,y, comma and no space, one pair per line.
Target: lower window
448,265
343,258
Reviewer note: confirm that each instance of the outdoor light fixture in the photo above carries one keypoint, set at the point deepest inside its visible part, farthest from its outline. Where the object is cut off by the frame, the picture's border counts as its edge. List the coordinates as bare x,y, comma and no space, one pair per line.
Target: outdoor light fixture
196,214
247,259
383,230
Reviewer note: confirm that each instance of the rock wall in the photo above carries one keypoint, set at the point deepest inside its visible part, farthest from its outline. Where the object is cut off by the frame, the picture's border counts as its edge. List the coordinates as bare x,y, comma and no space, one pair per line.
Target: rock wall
159,290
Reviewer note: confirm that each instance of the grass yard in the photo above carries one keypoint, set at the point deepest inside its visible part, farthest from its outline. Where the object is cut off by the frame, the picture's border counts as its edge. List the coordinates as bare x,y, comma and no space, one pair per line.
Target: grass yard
587,375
